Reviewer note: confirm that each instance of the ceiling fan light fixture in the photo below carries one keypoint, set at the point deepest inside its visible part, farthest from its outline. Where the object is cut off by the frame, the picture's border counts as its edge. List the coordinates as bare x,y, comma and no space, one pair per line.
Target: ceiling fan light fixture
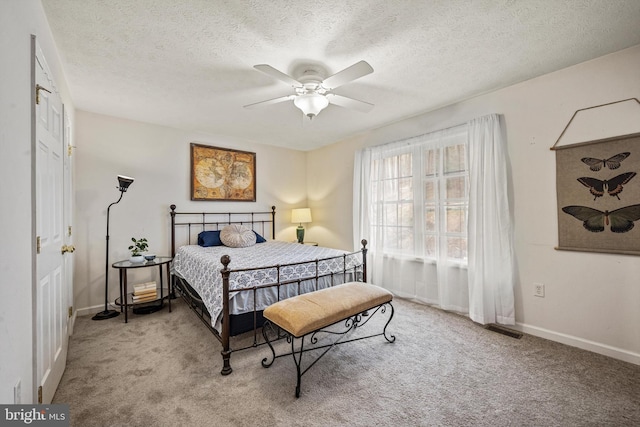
311,104
313,92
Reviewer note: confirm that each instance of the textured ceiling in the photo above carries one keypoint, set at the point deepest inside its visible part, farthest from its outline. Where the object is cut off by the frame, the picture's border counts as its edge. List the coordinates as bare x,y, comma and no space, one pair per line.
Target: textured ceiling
188,64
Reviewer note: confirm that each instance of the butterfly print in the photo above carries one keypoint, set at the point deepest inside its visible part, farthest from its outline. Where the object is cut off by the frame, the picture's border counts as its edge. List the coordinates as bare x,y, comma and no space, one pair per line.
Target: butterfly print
612,162
621,220
613,186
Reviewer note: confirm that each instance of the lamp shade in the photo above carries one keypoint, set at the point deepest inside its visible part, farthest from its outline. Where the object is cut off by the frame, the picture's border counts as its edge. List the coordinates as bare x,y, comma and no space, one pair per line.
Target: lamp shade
311,103
124,182
301,215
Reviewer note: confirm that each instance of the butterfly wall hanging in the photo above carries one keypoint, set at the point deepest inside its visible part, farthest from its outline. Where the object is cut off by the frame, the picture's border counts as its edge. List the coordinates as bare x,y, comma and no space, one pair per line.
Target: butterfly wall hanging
598,195
602,155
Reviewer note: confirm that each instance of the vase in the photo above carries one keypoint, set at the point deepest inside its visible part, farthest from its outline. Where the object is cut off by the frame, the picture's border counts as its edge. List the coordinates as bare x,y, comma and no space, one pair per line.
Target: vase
136,259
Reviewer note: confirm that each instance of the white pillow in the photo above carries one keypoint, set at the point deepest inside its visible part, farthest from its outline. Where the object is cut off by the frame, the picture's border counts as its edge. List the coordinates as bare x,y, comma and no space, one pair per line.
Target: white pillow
237,236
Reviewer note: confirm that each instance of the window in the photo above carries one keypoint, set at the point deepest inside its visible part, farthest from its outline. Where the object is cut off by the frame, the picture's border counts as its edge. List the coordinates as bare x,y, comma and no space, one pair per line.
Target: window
420,199
411,202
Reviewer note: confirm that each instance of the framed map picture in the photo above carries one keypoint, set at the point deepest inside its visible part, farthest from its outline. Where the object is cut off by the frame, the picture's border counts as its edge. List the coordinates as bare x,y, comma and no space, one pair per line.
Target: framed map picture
222,174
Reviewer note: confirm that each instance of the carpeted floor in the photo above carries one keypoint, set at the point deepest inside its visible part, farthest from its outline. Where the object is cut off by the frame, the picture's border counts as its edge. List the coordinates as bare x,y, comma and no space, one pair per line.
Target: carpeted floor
163,369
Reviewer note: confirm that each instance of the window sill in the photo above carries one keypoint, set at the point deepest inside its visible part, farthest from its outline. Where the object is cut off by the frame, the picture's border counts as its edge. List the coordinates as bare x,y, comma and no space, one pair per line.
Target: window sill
424,260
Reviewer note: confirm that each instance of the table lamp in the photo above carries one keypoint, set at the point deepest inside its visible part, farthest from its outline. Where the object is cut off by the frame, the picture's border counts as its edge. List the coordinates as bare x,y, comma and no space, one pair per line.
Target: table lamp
300,216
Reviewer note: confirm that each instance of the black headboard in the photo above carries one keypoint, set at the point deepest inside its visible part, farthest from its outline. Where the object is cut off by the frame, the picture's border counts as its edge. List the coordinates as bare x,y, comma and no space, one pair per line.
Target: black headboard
195,222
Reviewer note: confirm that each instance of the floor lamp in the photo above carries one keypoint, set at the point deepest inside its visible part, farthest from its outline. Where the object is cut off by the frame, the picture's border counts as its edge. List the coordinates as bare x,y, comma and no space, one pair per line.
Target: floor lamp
123,183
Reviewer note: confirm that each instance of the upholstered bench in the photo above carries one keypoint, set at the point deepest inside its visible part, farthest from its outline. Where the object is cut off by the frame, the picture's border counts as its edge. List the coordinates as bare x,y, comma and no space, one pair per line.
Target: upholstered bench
309,314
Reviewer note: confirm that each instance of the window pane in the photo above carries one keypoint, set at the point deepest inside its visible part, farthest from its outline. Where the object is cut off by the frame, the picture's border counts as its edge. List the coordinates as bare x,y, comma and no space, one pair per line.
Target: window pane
374,169
406,188
430,220
405,165
430,246
406,213
406,240
456,187
431,191
430,163
457,248
391,215
374,190
390,190
390,237
455,219
454,159
390,167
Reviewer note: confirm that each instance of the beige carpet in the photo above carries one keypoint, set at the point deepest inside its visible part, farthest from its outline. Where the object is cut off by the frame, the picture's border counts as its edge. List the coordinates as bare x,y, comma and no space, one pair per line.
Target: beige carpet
163,369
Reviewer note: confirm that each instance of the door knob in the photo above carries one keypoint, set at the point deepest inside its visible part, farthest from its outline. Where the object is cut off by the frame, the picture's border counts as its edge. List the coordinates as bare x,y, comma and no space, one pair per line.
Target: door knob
68,248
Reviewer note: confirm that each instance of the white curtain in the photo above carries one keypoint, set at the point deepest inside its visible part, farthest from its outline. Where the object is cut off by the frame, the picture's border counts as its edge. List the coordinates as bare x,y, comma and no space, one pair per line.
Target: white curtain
491,260
482,285
407,272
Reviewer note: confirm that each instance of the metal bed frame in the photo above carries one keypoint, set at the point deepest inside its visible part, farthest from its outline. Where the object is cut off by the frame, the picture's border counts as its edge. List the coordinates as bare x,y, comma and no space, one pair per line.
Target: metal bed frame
196,222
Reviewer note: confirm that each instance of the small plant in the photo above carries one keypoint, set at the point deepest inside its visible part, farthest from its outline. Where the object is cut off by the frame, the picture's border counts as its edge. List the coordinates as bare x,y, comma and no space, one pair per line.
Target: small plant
139,246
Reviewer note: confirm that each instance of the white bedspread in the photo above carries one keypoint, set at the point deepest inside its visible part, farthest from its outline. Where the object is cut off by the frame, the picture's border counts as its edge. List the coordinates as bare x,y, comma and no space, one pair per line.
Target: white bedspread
201,268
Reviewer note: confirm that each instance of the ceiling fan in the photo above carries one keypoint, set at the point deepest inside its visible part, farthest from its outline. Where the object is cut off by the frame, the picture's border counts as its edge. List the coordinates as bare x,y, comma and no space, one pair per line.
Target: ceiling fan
313,92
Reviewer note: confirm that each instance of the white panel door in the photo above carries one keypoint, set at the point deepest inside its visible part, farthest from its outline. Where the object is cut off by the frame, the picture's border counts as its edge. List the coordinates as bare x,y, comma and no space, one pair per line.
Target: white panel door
51,304
68,258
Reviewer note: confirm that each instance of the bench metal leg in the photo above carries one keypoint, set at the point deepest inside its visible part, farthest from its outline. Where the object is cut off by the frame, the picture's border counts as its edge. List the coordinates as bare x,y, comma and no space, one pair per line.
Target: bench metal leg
298,362
350,324
265,327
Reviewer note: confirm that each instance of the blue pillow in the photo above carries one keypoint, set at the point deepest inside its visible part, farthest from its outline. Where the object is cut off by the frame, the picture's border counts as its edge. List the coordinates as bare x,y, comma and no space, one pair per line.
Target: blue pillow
209,238
259,238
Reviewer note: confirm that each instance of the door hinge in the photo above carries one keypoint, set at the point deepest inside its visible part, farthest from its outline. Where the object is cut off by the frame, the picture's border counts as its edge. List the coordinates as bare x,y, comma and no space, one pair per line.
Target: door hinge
40,394
70,311
38,89
69,231
38,244
69,150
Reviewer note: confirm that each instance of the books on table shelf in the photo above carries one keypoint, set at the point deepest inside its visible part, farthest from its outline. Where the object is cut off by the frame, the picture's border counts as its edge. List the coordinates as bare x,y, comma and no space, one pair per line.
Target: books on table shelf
144,292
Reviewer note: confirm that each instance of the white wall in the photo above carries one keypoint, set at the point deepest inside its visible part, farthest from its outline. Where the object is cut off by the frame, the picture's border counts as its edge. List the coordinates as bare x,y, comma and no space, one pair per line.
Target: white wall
159,160
18,21
592,300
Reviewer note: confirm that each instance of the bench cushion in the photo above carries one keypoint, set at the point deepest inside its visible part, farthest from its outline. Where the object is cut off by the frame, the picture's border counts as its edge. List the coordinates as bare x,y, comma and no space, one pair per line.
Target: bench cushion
309,312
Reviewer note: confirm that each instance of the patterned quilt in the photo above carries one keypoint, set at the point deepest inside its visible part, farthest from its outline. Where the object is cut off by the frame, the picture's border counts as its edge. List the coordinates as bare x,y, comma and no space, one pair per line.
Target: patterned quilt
201,268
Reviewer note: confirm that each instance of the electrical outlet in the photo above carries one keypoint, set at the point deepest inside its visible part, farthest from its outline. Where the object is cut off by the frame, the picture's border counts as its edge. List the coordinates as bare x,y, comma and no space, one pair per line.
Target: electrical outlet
17,393
538,290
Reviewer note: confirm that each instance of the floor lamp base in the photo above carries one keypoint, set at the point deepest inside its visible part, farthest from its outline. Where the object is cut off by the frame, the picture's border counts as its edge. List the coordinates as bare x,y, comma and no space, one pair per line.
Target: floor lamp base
107,314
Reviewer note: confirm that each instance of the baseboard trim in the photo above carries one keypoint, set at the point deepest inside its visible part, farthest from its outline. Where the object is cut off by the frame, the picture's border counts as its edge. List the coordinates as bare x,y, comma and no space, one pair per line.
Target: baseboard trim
90,311
606,350
72,322
570,340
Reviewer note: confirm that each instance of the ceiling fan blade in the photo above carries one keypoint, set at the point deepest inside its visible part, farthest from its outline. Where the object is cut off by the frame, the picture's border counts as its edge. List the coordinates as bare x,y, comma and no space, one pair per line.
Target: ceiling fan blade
345,102
349,74
276,74
271,101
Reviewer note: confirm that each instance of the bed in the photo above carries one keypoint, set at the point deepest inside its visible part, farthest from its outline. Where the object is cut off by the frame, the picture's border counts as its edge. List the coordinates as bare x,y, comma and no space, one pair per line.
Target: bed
228,288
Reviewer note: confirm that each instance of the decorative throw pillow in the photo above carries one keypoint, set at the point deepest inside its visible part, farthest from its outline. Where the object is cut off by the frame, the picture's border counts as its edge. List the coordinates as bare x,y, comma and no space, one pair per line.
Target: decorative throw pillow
259,238
237,236
209,238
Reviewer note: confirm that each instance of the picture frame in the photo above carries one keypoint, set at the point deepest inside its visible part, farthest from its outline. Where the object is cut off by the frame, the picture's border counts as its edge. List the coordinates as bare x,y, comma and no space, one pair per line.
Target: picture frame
222,174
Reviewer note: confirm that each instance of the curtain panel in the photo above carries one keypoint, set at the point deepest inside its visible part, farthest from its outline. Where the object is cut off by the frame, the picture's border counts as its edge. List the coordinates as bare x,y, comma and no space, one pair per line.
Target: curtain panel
491,258
435,210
